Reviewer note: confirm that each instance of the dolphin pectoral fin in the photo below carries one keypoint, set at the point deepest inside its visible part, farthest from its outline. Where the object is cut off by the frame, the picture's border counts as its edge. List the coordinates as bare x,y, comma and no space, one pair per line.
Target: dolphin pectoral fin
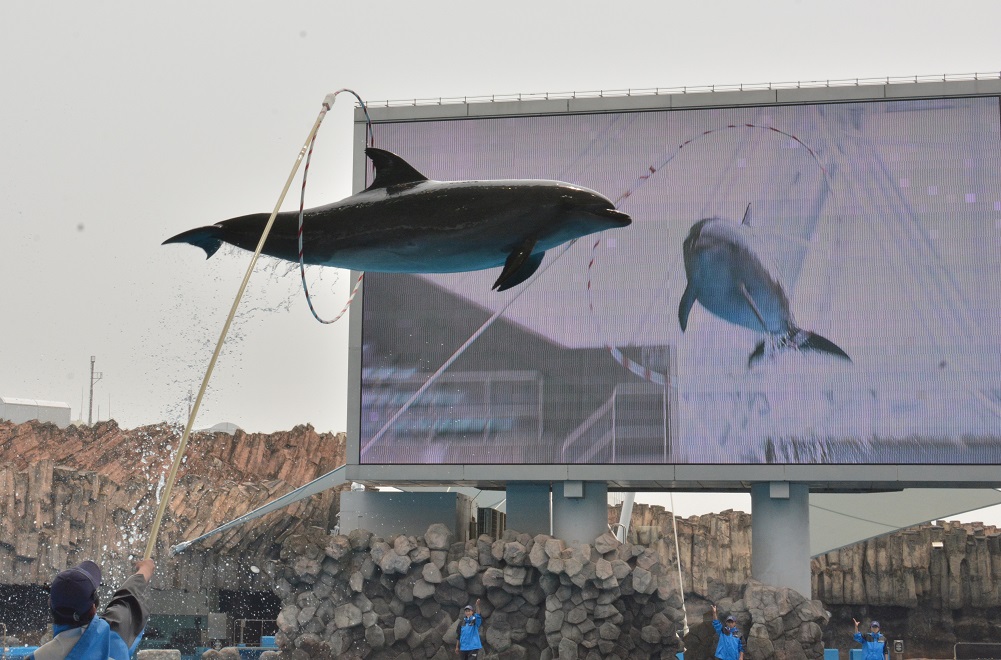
754,306
204,237
757,354
519,258
811,341
685,306
528,268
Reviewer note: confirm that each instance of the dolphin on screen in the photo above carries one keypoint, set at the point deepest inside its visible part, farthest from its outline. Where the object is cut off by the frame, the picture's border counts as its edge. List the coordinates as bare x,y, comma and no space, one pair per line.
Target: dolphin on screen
407,223
730,280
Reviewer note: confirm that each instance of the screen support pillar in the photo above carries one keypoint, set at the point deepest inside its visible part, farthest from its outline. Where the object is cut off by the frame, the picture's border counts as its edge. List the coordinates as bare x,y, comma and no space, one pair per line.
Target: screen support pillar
528,508
580,510
780,535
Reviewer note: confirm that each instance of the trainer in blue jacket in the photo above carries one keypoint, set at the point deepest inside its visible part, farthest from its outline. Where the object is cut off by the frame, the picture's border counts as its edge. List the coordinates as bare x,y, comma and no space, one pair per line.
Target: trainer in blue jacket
873,642
468,645
80,634
729,647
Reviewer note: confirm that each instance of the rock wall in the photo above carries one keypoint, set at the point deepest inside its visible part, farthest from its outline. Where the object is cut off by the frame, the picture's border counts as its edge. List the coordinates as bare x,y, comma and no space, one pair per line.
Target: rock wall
91,493
929,597
775,623
715,548
905,569
294,457
360,596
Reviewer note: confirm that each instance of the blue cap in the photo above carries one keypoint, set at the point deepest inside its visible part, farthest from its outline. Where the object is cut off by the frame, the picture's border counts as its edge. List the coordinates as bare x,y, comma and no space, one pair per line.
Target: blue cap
72,591
874,624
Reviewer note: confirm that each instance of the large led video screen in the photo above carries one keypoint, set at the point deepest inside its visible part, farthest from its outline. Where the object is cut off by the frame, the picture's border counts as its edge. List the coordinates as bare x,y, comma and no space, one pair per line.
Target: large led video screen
800,284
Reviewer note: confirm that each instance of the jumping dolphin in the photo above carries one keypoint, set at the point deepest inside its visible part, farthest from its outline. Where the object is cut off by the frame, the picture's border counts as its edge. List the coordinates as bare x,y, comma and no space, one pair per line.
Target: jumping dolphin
407,223
731,281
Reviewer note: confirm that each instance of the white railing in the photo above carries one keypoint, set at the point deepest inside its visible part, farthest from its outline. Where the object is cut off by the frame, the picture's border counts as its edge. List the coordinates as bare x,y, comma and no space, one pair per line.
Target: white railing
689,89
587,431
976,650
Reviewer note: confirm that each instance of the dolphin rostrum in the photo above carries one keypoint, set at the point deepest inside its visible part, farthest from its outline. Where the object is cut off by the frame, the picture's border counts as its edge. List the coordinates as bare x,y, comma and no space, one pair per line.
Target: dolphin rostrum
730,280
407,223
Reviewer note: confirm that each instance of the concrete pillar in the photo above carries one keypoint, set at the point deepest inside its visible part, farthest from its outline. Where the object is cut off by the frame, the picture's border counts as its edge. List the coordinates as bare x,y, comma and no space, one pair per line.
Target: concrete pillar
580,510
780,535
528,508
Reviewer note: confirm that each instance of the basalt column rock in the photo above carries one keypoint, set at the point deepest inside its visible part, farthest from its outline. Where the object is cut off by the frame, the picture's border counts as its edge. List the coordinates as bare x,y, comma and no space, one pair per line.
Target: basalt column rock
91,493
930,585
775,623
360,596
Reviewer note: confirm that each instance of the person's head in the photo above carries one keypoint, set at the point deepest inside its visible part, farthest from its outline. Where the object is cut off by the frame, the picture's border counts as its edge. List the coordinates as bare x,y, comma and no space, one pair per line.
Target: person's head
73,598
874,627
731,622
468,611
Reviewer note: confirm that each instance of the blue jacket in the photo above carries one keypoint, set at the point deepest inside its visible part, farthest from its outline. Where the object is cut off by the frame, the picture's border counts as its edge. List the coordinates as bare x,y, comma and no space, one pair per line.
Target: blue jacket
729,647
469,633
873,646
107,636
98,642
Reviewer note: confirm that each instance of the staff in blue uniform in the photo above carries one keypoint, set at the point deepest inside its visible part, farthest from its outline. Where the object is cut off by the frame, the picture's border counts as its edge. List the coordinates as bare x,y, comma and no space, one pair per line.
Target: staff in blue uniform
873,643
468,645
80,634
729,647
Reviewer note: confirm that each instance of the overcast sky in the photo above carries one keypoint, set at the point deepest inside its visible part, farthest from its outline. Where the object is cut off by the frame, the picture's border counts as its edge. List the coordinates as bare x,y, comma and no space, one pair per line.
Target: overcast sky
125,123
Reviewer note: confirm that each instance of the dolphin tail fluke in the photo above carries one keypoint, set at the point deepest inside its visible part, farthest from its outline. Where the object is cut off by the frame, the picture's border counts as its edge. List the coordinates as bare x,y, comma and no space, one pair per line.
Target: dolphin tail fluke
811,341
799,340
207,238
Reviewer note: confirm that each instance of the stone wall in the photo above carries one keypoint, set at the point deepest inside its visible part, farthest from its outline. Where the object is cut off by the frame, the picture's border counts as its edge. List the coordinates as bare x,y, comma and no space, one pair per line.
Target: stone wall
91,493
904,569
360,596
775,623
294,457
715,548
929,597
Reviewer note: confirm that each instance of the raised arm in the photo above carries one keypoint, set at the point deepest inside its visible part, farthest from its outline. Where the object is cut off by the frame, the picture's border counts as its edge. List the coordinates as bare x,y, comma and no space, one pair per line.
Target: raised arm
145,568
127,612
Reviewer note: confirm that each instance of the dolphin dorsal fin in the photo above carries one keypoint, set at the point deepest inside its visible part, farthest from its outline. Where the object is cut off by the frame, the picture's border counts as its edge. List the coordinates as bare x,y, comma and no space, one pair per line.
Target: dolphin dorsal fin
747,216
391,170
